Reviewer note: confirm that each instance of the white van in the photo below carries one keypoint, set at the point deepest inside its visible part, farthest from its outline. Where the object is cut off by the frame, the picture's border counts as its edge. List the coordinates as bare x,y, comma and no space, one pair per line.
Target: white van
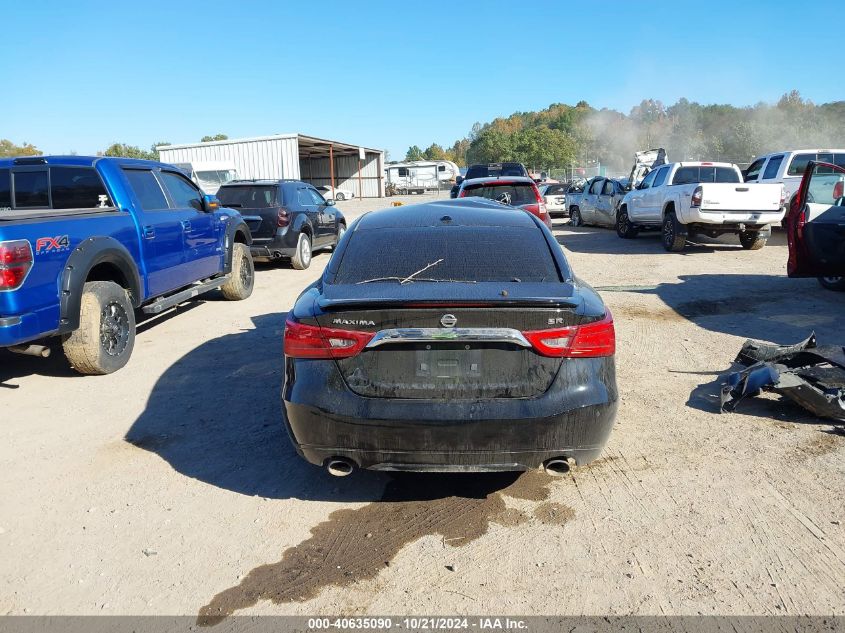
209,175
787,168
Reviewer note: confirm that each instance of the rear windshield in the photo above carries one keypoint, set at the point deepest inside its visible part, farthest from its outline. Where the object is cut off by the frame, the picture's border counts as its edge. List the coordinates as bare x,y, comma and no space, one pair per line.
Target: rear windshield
693,175
455,253
515,194
248,197
496,169
799,162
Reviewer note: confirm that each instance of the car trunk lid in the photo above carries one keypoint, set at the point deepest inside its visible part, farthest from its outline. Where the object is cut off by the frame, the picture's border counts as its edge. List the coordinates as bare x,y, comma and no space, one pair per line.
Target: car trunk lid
459,347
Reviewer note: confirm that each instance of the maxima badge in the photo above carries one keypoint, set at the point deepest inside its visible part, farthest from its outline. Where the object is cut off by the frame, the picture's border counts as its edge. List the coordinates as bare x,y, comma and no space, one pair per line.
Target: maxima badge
448,320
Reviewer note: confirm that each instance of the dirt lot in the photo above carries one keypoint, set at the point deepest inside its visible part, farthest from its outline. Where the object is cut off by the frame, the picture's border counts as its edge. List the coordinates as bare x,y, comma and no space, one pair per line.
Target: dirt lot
170,487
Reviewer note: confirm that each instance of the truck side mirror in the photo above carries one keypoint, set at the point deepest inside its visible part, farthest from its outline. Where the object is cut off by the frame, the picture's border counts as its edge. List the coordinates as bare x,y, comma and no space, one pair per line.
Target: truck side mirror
459,180
210,203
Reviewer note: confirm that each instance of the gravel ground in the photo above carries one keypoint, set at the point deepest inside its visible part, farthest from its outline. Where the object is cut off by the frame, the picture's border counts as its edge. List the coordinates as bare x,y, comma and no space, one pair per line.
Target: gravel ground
170,487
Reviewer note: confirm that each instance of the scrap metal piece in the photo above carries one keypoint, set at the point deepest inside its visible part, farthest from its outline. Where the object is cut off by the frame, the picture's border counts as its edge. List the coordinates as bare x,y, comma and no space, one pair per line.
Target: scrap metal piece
813,377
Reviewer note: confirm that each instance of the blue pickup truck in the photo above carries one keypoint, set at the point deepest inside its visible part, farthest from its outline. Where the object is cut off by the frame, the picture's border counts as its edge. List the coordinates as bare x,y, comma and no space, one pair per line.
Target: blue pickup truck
87,241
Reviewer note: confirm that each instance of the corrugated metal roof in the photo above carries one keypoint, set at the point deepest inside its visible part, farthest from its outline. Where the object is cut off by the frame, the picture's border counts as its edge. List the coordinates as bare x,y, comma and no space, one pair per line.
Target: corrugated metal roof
305,141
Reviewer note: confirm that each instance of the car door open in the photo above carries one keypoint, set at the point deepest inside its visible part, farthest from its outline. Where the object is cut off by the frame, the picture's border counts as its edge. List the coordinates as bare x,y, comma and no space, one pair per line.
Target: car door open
816,223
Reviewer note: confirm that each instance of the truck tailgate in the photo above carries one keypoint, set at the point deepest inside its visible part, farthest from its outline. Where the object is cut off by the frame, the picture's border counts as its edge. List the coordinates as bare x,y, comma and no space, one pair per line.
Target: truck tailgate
721,196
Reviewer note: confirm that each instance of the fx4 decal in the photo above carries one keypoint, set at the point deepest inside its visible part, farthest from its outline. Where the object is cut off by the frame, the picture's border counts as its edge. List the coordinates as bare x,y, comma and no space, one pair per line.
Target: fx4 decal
52,244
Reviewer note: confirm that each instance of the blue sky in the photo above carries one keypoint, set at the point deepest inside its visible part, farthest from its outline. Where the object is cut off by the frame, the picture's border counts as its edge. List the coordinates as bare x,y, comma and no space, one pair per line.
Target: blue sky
81,75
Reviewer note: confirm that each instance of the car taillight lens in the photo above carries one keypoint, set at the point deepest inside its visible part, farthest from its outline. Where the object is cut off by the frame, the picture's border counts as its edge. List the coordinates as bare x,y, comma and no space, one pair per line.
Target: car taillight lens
837,190
15,262
696,197
782,195
282,219
312,341
584,341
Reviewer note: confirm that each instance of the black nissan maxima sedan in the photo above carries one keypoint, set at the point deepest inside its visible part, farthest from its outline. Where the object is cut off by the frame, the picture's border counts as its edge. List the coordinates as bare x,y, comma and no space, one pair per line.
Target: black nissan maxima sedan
449,336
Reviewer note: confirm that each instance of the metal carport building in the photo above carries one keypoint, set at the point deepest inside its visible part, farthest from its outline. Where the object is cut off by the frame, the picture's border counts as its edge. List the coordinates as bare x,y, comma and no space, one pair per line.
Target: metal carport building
319,161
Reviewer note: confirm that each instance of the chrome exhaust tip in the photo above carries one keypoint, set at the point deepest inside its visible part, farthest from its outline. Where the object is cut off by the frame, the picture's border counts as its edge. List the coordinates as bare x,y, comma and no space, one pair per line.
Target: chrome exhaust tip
340,466
31,350
558,466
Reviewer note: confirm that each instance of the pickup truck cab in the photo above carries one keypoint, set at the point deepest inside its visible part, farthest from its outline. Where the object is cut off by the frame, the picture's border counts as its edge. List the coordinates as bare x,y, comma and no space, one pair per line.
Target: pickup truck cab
700,198
85,241
787,168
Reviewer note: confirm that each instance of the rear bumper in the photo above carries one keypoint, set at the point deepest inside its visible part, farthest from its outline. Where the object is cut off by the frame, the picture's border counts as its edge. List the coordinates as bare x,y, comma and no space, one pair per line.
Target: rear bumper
727,217
16,330
282,244
573,419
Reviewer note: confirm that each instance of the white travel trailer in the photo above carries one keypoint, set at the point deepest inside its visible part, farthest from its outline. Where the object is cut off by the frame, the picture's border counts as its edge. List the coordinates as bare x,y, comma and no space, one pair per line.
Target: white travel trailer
418,175
209,175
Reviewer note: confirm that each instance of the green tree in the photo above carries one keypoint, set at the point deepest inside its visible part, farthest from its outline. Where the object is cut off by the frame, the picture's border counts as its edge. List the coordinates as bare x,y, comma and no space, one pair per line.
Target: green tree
7,148
216,137
129,151
434,152
414,153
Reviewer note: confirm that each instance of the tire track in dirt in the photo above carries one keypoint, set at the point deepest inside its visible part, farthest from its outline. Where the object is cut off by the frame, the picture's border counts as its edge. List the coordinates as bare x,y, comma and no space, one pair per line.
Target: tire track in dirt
355,545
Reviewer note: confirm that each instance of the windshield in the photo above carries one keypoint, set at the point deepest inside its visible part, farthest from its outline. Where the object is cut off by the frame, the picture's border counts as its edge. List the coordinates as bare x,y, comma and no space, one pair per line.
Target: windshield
695,175
248,197
447,254
514,194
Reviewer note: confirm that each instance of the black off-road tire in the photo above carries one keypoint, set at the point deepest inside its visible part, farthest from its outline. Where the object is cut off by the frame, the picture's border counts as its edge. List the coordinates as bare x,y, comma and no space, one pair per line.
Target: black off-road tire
575,218
673,235
242,278
754,240
624,228
833,283
104,340
302,258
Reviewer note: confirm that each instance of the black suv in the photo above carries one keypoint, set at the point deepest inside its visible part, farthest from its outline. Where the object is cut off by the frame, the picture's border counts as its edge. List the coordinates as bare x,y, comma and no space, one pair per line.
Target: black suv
489,170
289,219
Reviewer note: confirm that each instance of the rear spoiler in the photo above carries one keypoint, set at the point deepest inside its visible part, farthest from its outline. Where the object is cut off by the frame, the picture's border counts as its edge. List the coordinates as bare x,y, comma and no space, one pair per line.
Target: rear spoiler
536,302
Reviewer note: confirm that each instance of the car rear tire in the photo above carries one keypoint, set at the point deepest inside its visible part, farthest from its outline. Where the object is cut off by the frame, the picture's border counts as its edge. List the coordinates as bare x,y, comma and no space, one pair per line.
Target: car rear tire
833,283
242,277
302,258
754,240
575,217
104,340
339,197
341,229
674,236
624,228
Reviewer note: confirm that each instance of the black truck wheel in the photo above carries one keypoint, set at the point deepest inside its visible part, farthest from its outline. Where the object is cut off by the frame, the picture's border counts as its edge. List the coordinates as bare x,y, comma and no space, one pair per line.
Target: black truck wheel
833,283
242,278
103,342
674,235
754,240
624,228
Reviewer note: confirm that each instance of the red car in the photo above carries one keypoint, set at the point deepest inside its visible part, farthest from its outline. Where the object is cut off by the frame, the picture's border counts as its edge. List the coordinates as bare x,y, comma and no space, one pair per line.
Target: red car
516,191
815,226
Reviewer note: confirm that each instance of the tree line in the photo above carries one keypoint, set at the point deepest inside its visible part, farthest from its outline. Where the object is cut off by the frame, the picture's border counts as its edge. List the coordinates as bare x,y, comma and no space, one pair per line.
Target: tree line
8,149
564,136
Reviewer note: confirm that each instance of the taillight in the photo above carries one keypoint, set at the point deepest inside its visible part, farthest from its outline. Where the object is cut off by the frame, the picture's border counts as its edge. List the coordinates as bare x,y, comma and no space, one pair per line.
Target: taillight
312,341
282,219
696,197
15,262
837,190
782,195
583,341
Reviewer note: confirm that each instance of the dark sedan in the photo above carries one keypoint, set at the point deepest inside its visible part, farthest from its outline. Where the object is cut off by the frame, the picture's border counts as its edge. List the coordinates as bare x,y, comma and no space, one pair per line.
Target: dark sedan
449,336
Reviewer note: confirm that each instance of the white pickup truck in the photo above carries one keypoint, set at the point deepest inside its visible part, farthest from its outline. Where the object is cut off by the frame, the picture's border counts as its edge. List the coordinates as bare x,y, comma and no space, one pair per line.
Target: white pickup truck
694,198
